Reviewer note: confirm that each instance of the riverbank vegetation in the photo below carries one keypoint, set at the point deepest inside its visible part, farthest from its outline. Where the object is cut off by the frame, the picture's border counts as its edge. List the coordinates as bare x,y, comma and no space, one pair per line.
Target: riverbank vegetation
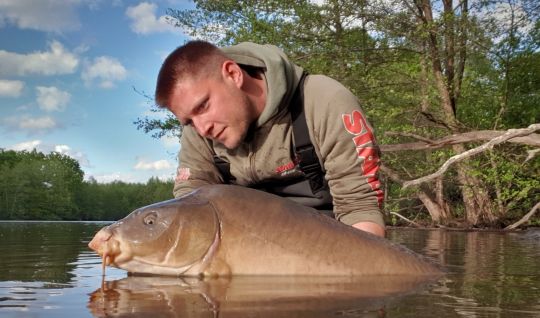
37,186
437,78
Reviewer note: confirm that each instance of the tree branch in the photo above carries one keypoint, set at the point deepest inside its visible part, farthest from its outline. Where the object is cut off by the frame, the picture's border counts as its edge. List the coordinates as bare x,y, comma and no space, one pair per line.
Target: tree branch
418,137
404,218
525,218
532,154
480,135
511,133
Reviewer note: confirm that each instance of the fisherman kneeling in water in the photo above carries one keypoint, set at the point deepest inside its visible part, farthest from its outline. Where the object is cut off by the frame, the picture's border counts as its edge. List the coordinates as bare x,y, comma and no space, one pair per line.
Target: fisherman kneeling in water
253,118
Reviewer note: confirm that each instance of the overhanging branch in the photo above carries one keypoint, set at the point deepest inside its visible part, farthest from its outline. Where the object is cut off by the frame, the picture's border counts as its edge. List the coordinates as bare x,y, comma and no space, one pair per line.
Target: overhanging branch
510,134
481,135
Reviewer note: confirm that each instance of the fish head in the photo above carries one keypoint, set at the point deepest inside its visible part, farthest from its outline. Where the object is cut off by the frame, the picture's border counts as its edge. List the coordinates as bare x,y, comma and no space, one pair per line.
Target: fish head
167,238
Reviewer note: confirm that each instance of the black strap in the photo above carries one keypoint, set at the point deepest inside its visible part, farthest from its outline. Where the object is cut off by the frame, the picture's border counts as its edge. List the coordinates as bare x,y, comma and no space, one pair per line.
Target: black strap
224,168
303,147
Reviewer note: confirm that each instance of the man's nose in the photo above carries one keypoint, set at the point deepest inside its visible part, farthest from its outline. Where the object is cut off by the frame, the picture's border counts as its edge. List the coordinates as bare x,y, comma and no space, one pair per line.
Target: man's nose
204,128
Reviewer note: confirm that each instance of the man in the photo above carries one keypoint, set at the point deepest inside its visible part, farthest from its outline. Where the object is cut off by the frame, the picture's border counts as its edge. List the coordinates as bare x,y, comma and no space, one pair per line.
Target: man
237,105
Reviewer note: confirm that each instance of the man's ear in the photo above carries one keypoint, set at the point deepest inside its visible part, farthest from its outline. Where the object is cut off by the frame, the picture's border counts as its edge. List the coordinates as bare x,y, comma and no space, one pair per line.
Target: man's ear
232,71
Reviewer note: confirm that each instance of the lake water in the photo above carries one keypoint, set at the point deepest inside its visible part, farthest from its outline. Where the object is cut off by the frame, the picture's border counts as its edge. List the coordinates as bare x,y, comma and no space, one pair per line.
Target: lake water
46,270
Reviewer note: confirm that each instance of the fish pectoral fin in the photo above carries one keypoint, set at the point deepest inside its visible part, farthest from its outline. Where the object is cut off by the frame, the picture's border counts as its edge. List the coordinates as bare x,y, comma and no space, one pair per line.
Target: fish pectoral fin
217,268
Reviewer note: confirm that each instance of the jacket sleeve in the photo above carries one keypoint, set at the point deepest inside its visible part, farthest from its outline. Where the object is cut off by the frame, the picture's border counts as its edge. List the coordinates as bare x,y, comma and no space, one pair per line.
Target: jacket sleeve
195,164
347,148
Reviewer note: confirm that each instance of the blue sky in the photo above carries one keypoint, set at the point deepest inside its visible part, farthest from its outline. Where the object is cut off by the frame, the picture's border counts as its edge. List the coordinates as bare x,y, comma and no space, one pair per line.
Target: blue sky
67,73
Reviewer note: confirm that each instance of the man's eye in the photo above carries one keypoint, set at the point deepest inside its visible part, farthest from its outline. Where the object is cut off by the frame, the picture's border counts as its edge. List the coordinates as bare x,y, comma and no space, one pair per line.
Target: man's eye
202,107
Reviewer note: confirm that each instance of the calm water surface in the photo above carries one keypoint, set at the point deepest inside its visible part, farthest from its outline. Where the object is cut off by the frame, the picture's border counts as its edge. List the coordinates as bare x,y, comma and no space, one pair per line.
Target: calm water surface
46,270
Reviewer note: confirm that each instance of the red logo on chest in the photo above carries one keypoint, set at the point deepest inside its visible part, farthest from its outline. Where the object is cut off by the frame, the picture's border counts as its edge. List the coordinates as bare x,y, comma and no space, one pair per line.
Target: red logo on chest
287,168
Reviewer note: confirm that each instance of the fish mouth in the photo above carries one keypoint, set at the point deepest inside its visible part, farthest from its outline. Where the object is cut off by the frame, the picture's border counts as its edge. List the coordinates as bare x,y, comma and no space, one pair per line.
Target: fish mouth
107,246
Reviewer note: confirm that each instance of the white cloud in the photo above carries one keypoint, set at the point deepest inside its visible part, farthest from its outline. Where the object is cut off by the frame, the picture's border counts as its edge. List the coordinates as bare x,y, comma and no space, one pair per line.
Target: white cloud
37,123
156,165
105,71
145,21
11,88
116,176
126,177
52,99
170,141
77,155
30,125
62,148
42,15
26,145
53,62
48,148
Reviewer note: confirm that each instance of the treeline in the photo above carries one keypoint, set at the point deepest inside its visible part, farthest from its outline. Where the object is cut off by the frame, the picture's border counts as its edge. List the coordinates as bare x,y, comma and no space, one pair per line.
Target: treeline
38,186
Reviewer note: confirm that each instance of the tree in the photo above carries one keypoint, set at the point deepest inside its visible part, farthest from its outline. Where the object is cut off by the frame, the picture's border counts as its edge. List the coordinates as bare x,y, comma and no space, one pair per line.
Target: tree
38,186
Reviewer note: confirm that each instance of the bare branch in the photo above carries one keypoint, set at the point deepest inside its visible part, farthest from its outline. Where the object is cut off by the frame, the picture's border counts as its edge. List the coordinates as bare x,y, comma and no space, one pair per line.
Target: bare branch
525,218
404,218
480,135
532,154
421,138
511,133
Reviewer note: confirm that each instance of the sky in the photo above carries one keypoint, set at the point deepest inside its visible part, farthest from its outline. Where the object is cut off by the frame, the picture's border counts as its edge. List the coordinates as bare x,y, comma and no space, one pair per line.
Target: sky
69,72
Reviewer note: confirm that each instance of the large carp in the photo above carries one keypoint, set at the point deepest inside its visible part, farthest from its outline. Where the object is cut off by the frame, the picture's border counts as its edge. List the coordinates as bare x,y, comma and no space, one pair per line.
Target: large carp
231,230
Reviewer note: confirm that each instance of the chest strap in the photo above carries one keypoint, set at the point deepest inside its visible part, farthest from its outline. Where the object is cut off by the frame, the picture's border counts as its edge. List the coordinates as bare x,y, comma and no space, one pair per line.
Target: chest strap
224,168
303,148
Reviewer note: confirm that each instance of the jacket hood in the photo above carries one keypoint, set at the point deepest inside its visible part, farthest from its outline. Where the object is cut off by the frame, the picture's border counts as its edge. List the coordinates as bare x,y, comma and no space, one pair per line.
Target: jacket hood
282,76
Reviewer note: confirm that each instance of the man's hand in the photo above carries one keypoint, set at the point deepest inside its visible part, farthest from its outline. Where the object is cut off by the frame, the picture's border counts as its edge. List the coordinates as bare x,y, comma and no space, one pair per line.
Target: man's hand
371,227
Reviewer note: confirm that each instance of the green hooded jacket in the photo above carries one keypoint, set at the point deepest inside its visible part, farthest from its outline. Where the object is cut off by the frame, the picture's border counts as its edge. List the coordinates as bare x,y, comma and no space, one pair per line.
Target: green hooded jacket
343,140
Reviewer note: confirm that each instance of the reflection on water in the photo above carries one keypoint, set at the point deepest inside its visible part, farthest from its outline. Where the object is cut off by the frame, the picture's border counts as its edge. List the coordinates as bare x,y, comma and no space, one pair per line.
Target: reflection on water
39,251
46,270
250,296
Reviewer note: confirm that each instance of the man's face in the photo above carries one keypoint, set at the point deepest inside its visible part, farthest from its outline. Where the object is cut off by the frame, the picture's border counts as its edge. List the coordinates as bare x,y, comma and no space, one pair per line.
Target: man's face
215,106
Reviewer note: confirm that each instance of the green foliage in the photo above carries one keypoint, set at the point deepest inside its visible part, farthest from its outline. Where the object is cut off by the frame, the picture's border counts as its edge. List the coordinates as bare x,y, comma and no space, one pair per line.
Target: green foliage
159,126
113,201
35,186
38,186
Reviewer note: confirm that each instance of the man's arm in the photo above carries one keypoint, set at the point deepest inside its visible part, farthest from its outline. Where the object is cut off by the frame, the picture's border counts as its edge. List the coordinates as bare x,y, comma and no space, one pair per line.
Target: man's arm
195,164
371,227
346,146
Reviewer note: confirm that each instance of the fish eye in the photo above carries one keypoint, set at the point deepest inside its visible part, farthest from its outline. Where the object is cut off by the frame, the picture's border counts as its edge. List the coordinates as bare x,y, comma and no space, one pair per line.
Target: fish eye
150,219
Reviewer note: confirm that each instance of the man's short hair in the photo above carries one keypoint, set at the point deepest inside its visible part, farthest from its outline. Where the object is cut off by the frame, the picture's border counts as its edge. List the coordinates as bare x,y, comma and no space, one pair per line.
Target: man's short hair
193,60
